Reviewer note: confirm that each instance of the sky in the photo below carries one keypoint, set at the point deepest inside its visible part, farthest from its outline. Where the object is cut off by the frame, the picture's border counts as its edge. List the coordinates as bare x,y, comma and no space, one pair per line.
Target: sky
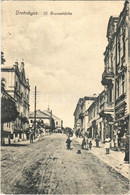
63,54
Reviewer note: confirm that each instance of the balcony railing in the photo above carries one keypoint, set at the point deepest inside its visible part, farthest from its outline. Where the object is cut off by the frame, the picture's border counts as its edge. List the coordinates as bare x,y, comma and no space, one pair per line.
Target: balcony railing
107,107
107,76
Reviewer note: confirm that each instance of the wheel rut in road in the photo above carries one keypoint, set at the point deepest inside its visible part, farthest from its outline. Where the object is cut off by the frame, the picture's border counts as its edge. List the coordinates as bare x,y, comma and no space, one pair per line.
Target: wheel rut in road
46,167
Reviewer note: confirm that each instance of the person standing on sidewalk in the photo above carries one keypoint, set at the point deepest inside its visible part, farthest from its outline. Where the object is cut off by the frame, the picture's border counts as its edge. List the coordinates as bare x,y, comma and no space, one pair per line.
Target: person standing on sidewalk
31,137
97,141
83,145
107,145
90,145
126,159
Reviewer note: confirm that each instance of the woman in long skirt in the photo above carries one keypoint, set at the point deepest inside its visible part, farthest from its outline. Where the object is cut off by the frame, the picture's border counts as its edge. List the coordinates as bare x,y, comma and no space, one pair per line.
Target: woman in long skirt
107,145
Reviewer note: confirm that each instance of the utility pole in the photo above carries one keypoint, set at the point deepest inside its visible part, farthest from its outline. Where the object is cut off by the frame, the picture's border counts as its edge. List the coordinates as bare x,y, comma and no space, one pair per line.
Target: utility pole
35,111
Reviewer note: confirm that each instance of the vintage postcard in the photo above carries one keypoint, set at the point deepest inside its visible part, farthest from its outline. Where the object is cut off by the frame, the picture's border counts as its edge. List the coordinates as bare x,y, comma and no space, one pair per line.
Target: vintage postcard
65,97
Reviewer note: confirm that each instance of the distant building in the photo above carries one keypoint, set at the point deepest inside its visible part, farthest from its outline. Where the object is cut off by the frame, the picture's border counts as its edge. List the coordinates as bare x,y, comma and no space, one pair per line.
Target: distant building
45,116
100,114
40,117
17,86
80,113
58,122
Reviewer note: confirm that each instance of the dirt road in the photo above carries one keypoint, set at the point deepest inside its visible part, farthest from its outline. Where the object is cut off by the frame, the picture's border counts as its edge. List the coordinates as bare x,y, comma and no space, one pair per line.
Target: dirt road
46,167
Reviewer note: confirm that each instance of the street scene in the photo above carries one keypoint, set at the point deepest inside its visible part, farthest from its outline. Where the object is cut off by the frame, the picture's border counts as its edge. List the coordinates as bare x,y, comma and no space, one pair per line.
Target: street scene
65,97
46,167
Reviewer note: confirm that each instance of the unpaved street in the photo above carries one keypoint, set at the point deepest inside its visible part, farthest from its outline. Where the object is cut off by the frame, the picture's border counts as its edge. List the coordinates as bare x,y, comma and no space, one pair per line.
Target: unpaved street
46,167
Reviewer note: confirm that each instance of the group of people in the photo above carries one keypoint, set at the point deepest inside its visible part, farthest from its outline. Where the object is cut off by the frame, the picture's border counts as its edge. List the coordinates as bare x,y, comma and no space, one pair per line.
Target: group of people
32,135
87,144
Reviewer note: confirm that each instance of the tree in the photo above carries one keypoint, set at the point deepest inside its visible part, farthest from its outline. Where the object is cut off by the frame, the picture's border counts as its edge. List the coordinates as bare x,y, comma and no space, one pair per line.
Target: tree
52,124
8,108
2,58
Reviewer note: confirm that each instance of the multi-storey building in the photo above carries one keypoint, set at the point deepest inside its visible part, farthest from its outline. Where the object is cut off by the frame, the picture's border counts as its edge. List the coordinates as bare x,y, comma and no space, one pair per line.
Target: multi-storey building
58,122
46,117
40,117
109,114
78,122
80,113
116,77
108,77
18,87
122,73
100,114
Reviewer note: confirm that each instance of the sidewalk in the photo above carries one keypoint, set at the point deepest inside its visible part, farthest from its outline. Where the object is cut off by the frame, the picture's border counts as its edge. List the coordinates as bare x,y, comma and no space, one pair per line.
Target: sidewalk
115,159
27,142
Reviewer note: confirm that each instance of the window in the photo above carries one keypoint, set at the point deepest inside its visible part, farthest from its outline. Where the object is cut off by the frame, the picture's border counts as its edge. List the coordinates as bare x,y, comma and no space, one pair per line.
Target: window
123,40
107,64
111,62
31,121
110,95
117,89
16,85
56,123
123,84
94,112
118,52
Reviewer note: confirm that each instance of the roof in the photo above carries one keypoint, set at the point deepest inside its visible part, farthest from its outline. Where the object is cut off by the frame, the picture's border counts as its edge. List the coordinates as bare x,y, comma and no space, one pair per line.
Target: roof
43,114
53,116
39,114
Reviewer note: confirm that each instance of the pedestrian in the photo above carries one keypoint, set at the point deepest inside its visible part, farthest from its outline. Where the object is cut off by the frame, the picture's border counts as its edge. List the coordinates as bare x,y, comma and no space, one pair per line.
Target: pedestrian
90,145
126,159
31,137
107,144
97,141
68,142
39,136
83,145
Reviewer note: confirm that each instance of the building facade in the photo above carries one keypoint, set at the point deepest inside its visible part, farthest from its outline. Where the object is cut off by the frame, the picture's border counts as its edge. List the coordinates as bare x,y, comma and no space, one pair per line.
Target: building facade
17,86
40,117
100,117
58,122
116,76
109,114
122,75
45,117
81,115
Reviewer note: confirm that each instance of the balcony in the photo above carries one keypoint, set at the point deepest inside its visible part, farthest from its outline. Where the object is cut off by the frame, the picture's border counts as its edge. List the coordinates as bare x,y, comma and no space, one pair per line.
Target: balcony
107,76
107,107
107,111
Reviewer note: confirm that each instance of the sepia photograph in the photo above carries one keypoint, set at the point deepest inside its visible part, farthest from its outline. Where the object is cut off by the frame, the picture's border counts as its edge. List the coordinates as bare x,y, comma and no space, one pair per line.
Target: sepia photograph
65,97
